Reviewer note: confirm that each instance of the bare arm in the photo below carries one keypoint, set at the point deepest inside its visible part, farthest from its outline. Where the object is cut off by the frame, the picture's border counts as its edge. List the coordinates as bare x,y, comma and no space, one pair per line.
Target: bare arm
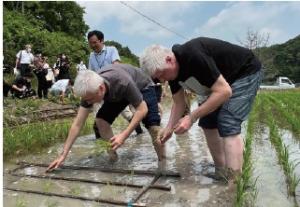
72,136
221,91
140,113
177,110
16,87
17,61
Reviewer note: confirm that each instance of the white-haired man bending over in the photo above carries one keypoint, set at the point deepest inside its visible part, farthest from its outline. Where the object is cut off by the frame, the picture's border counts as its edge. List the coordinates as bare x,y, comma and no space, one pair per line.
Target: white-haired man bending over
228,74
118,85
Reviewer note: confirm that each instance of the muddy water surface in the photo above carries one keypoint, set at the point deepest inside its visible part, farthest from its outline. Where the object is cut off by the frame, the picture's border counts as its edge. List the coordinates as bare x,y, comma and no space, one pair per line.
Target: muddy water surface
186,154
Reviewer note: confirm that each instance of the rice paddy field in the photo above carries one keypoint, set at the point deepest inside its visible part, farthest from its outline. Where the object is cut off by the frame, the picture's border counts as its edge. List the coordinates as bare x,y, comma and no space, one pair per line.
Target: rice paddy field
271,170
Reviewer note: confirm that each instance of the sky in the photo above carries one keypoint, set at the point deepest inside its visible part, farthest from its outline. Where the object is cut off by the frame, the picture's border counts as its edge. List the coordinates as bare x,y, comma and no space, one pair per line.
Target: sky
228,21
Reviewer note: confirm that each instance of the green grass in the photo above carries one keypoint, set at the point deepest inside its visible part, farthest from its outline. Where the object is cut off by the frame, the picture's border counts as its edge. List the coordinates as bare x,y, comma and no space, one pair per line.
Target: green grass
32,138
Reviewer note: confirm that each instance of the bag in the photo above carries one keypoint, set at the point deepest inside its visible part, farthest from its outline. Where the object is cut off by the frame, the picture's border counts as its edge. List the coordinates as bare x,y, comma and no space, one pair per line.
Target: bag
56,72
49,76
16,72
19,62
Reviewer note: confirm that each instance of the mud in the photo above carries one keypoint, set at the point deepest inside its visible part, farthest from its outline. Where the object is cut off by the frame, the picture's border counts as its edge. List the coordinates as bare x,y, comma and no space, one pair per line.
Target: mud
187,154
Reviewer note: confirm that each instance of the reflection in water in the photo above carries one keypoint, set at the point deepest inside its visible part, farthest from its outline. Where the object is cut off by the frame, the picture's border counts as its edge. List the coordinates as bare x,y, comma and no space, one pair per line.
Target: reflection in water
185,154
271,185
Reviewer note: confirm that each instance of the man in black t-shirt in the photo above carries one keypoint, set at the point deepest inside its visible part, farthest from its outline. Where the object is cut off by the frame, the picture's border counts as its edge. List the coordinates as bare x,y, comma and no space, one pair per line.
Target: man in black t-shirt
118,85
227,75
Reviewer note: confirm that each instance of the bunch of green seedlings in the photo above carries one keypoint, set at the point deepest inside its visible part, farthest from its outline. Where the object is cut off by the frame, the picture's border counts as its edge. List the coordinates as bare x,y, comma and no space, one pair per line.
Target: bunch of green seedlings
101,146
287,109
282,152
246,191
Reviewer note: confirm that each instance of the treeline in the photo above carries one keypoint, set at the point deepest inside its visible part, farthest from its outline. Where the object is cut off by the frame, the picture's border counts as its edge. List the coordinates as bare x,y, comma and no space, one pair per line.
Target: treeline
282,60
52,28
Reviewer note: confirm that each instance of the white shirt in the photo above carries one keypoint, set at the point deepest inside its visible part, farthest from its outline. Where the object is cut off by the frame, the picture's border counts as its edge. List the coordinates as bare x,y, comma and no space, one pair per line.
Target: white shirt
60,85
25,57
81,67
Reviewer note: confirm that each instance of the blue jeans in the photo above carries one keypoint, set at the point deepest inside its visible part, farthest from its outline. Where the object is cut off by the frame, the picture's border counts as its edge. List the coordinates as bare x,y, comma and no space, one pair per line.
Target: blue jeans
228,118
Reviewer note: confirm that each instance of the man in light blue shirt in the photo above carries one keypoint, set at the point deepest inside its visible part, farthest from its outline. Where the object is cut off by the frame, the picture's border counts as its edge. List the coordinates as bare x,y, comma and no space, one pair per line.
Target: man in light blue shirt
102,55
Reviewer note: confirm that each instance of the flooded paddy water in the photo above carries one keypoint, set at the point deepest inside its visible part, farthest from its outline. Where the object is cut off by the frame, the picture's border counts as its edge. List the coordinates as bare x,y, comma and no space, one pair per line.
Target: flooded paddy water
186,154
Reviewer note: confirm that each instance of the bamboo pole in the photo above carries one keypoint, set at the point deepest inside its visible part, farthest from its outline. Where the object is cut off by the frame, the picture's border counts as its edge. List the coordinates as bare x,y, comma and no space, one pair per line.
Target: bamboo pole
157,187
124,171
56,109
145,188
99,200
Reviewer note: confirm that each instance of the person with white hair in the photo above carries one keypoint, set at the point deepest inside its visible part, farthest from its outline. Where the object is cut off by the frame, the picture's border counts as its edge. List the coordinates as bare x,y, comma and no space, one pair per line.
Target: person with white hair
24,60
228,75
118,85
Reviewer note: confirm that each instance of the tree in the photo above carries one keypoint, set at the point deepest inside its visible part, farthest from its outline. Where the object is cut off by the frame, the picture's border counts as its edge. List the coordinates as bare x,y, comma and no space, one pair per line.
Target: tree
61,16
255,40
125,52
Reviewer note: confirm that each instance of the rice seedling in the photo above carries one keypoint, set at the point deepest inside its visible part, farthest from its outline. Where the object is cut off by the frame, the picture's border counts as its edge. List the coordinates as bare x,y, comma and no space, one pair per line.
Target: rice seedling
52,203
246,188
48,185
37,136
101,146
282,153
75,190
21,202
288,115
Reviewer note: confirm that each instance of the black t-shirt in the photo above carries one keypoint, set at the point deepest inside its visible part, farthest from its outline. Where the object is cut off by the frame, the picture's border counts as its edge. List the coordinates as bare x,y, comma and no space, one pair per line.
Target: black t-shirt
204,59
21,81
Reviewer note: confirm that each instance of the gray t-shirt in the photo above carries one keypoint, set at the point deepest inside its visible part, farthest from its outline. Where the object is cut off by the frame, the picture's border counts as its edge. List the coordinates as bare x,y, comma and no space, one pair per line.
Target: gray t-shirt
124,82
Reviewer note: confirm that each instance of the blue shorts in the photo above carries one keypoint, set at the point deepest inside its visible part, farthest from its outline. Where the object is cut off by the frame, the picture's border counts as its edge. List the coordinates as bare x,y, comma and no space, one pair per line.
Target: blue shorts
229,117
110,110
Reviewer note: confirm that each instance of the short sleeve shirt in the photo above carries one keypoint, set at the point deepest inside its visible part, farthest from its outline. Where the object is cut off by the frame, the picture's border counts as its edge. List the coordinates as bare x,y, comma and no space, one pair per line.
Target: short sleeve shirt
60,85
25,57
108,55
124,82
202,60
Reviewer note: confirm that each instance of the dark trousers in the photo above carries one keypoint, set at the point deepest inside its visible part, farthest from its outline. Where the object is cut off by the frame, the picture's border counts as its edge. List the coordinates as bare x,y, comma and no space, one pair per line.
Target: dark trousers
42,90
24,69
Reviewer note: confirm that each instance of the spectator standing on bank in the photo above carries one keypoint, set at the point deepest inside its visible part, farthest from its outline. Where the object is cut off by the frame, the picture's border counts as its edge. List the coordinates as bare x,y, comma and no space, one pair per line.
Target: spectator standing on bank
24,61
62,66
50,74
81,66
41,73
